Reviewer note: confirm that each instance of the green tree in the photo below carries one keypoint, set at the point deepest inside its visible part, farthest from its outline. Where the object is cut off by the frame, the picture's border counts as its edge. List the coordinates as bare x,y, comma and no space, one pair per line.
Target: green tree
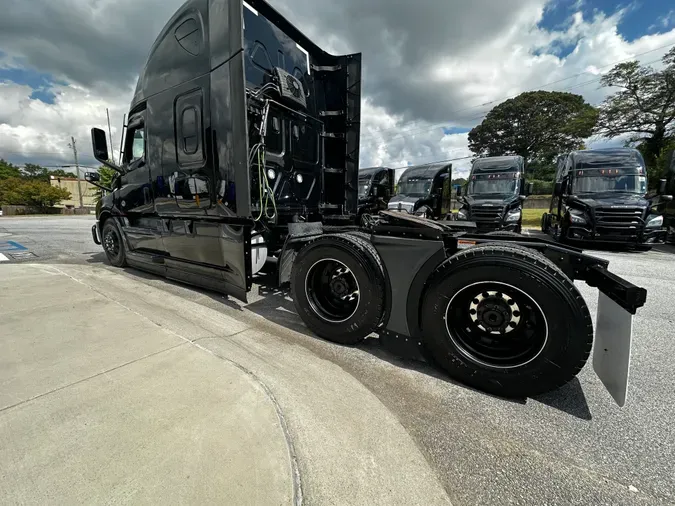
31,192
537,125
643,107
33,171
60,173
107,177
8,170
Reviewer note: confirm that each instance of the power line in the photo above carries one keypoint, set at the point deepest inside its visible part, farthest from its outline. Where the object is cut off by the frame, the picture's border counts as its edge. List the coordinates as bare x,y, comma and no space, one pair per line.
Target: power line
536,88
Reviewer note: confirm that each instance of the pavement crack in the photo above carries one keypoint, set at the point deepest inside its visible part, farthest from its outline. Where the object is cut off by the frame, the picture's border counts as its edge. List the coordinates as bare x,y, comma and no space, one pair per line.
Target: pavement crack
63,387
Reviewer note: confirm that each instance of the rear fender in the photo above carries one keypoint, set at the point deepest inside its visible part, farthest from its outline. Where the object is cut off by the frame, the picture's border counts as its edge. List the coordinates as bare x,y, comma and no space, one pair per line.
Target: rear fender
408,264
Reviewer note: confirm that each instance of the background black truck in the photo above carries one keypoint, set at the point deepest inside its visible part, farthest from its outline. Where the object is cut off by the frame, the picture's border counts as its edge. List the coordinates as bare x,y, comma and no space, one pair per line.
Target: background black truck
669,207
376,187
600,196
420,190
495,193
243,145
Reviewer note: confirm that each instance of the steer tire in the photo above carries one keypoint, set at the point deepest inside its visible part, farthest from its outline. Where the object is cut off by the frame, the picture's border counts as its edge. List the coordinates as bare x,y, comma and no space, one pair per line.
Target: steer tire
313,270
113,244
550,343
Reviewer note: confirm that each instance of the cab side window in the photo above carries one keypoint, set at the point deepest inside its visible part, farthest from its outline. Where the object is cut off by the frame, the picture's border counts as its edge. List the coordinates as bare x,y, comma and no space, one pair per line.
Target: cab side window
138,145
135,146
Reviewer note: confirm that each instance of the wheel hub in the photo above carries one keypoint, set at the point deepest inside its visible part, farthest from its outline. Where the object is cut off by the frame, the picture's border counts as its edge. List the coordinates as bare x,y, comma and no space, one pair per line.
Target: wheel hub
332,290
494,312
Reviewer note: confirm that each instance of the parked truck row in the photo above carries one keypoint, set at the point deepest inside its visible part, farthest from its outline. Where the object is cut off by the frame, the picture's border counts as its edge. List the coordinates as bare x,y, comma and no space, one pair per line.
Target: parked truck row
242,150
599,196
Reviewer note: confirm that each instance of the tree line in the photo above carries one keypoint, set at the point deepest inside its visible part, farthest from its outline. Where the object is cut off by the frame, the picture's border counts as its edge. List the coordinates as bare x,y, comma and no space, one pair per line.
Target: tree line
541,125
29,185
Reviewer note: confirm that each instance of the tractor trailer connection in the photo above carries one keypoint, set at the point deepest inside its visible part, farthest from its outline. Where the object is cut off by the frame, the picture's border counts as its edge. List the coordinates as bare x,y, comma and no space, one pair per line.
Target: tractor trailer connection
242,147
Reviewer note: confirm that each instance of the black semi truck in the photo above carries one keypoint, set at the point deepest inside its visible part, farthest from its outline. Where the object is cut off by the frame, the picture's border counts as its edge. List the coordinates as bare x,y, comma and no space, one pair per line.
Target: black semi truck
495,194
242,144
376,187
420,190
600,196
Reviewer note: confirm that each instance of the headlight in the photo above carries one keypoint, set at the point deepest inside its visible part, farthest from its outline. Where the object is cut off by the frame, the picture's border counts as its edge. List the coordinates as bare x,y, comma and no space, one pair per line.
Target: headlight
462,214
512,216
654,221
577,217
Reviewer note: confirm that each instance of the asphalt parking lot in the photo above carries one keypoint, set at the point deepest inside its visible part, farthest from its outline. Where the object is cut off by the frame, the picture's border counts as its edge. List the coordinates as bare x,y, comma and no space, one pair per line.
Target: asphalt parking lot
572,446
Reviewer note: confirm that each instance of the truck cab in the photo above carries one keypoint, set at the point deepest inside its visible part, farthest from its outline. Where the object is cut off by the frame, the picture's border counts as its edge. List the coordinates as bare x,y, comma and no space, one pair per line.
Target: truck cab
420,190
600,196
239,126
376,187
495,194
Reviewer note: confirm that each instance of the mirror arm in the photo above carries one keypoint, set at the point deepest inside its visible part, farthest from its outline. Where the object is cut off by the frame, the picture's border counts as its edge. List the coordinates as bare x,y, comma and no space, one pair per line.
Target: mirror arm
100,186
114,167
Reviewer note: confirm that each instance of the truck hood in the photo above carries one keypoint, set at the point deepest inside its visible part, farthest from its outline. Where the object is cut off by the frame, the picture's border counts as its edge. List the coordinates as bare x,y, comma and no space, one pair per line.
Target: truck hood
404,202
617,200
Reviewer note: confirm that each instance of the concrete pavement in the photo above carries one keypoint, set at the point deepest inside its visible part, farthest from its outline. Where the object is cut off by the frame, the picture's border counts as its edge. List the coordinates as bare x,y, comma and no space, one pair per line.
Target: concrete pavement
114,391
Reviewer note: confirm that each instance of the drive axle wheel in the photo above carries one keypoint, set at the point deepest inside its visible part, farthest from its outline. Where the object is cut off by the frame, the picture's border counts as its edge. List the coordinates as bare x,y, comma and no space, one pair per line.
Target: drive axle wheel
507,328
111,239
506,320
337,285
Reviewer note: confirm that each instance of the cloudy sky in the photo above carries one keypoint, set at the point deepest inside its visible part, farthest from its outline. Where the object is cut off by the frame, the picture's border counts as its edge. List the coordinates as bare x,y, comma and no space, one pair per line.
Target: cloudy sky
432,68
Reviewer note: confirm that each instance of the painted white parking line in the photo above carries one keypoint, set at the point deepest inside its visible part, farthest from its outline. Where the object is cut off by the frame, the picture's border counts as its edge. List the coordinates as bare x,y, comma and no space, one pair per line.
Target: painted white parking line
3,258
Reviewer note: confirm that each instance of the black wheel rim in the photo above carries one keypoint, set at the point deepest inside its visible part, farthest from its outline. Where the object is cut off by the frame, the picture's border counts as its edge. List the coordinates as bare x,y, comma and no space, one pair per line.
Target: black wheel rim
496,325
332,290
111,243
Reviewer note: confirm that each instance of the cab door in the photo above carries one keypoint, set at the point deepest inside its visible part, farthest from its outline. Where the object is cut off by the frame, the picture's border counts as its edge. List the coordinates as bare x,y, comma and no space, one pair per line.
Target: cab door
135,197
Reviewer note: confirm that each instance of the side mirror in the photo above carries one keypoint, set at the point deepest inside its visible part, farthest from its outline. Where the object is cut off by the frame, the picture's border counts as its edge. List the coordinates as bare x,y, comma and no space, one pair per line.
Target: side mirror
662,186
557,189
459,191
529,189
92,177
99,144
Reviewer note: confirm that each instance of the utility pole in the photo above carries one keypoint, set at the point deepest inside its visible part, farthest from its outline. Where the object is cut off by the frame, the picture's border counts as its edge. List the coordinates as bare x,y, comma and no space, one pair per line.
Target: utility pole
112,145
77,167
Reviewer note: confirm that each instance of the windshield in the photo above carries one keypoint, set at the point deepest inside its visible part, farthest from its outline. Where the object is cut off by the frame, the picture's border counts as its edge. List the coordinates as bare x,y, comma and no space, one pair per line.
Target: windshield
414,187
611,183
493,184
364,185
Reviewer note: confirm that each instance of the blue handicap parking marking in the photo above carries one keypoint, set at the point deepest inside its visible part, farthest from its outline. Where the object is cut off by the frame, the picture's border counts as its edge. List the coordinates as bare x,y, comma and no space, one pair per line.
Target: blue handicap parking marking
11,246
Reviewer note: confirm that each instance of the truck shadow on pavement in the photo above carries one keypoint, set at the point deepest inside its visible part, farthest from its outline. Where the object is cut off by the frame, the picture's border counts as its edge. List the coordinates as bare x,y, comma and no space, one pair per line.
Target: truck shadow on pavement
277,307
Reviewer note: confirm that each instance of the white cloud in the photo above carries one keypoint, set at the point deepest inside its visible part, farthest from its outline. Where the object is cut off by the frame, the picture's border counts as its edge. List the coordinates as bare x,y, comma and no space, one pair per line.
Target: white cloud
426,65
664,22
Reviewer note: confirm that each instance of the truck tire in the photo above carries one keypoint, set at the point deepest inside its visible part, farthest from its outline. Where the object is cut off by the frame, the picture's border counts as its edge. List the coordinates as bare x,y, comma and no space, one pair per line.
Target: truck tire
113,245
338,288
506,320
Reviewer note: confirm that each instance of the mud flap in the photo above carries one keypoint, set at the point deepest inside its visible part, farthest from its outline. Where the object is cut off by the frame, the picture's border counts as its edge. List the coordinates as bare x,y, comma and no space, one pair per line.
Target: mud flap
612,348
